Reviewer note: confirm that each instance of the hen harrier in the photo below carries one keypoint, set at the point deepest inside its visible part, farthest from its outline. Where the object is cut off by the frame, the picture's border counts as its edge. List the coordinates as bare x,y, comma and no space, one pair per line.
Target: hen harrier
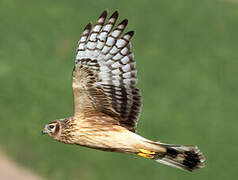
106,102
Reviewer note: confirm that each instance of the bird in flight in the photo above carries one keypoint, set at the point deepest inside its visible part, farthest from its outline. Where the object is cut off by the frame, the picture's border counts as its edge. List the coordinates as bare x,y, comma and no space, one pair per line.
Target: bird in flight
107,104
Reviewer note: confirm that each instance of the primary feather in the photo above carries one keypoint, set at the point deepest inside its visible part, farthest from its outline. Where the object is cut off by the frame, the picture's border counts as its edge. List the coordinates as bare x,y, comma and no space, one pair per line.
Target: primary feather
108,54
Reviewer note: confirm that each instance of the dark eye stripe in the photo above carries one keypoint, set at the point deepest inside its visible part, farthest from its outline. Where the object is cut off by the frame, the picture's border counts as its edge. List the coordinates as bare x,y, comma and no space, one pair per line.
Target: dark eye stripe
57,128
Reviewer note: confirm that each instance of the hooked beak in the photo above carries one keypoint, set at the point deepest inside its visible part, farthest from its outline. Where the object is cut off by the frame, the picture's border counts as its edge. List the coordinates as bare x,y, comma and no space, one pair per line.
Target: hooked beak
43,132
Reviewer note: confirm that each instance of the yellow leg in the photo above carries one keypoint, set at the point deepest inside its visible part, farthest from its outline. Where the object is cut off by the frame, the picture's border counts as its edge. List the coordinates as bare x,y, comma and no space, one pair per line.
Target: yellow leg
145,153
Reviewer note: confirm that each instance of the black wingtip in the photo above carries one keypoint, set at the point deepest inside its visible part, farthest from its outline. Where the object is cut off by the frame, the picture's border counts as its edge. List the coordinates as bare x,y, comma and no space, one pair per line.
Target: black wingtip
104,14
124,22
130,33
115,15
88,26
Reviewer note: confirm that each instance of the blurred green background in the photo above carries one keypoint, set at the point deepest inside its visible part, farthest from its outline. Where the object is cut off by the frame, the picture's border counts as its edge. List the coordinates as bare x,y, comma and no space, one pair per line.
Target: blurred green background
187,60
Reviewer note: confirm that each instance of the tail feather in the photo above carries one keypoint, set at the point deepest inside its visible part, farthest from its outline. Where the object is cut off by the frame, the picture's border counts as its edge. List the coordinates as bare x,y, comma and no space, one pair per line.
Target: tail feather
183,157
180,156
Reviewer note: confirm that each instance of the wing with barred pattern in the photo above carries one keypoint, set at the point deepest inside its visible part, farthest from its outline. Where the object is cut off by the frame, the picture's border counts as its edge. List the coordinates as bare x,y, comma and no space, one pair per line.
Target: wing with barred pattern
105,75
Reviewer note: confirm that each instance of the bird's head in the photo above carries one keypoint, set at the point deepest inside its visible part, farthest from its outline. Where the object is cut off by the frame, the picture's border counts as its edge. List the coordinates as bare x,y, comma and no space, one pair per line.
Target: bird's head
57,128
52,129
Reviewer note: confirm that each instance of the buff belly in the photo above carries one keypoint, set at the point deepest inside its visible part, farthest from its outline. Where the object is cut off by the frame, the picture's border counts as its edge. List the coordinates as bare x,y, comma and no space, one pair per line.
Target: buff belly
117,139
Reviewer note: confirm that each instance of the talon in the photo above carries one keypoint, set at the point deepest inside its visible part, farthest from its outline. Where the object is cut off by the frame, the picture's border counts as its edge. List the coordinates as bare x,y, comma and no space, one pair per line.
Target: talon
146,151
145,155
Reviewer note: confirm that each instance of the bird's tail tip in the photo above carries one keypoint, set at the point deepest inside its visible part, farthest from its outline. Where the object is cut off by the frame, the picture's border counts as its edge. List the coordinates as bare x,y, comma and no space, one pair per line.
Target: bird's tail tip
184,157
180,156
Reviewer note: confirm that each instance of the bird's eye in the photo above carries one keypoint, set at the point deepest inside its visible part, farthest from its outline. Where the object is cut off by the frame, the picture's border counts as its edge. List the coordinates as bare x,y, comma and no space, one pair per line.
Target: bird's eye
51,126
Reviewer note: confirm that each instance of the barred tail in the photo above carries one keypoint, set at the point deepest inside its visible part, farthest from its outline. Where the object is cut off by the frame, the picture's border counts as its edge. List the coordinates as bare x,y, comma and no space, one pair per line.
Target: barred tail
183,157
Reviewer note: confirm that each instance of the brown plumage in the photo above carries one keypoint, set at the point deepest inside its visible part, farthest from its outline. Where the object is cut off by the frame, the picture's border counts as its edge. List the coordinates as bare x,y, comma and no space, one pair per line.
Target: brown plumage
106,102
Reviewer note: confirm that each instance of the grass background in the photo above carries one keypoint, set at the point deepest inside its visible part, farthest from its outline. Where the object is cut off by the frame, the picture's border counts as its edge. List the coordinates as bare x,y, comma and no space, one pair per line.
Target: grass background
187,60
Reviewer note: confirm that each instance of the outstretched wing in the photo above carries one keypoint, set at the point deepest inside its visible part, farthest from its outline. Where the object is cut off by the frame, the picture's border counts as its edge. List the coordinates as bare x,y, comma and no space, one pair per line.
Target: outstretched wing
104,75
